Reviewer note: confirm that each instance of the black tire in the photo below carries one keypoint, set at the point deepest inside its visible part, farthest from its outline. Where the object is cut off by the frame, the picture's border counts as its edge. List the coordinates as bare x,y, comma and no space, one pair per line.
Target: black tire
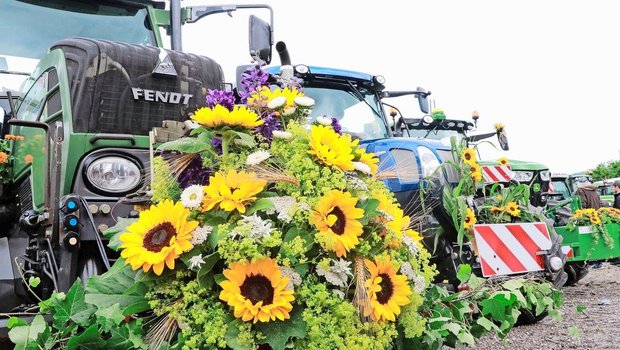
576,271
529,317
89,266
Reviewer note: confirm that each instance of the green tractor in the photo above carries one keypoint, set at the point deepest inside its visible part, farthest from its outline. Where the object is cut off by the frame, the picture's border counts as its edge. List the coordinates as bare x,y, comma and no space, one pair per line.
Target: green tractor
80,132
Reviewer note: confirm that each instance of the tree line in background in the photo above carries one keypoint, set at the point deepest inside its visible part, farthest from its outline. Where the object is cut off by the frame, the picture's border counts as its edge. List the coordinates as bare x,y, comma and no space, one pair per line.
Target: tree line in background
606,170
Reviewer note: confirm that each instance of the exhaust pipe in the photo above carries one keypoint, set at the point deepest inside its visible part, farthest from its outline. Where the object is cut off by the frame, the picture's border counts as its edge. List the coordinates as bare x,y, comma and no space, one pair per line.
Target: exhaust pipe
285,59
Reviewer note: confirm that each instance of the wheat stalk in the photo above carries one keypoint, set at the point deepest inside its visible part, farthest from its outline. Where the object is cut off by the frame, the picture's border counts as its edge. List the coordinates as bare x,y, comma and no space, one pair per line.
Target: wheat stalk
360,296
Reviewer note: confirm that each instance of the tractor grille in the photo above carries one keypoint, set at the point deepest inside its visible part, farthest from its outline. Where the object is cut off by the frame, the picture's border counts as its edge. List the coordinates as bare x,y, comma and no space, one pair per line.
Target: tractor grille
24,194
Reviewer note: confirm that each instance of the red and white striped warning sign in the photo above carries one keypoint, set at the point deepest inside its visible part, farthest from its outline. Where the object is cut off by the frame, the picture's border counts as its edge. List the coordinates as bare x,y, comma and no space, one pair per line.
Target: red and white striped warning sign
567,250
506,249
497,173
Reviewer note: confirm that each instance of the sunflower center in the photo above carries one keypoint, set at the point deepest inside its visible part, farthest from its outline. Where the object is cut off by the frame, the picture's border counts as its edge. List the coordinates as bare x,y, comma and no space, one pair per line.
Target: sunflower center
257,288
467,156
340,223
467,219
159,237
387,288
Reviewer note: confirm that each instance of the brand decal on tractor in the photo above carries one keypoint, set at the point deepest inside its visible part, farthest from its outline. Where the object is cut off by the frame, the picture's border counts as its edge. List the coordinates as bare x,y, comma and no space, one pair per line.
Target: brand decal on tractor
160,96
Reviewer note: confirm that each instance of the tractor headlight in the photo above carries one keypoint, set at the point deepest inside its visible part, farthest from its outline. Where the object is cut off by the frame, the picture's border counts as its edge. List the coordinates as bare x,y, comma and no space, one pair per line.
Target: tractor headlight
555,263
523,176
429,161
545,175
113,174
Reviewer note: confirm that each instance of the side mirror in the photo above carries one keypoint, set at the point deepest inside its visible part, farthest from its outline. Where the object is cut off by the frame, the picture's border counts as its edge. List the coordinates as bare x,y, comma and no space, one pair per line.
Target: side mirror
423,99
503,140
260,39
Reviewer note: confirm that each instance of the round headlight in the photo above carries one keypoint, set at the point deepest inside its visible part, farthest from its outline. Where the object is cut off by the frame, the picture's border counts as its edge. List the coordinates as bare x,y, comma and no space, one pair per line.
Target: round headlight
555,263
113,174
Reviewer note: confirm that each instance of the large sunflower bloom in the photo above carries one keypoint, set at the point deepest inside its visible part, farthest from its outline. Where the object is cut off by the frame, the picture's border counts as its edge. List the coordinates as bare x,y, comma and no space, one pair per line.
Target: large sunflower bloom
393,218
336,218
368,159
470,218
257,291
513,209
160,235
330,148
231,191
387,290
469,156
220,116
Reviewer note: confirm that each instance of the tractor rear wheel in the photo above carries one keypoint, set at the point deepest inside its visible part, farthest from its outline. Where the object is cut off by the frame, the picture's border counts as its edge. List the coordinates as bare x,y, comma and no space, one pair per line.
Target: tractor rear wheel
576,271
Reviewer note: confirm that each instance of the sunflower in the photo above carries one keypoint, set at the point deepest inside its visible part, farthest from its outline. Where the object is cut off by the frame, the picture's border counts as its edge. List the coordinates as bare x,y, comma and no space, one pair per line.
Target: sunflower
387,290
162,233
231,191
336,218
257,291
3,157
368,159
513,209
495,209
330,148
502,161
578,213
393,219
476,176
470,219
595,220
469,156
220,116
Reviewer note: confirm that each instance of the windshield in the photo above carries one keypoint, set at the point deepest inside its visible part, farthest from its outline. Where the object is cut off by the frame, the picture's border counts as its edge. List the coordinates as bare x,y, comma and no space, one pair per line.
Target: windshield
355,115
35,28
559,186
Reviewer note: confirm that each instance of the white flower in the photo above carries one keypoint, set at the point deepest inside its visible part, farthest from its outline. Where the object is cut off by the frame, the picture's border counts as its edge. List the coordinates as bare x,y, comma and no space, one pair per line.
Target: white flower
258,227
277,102
257,157
195,262
409,242
288,110
304,101
419,284
285,135
200,234
324,120
362,167
337,274
294,279
357,183
191,198
284,206
407,270
339,293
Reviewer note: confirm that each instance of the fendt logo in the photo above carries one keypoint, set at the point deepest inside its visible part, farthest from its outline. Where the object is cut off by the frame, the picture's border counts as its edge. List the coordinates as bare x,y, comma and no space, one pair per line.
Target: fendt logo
160,96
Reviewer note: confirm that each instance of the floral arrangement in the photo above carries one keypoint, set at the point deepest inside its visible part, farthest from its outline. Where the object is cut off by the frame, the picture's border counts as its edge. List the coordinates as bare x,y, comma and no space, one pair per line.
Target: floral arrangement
6,158
596,221
268,233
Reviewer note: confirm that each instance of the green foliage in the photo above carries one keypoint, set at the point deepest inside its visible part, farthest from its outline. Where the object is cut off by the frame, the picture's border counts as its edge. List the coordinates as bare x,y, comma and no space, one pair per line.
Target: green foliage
606,170
113,233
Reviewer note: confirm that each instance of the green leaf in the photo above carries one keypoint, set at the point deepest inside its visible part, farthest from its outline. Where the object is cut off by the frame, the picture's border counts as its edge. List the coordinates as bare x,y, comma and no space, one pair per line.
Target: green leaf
261,204
109,317
513,284
127,336
278,333
205,278
73,307
22,335
486,323
455,328
197,144
232,336
575,332
15,321
114,232
117,286
34,281
581,308
90,339
466,338
494,307
463,273
246,139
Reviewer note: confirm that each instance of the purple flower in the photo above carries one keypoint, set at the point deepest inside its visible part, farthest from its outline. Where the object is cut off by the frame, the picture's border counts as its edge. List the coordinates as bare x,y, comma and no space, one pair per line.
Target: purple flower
220,97
217,145
270,123
194,174
336,126
251,80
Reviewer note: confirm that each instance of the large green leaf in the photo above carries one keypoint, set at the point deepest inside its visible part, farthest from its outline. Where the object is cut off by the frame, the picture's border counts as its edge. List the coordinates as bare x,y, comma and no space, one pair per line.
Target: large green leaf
119,285
24,336
90,339
73,307
232,336
128,336
260,205
197,144
463,273
277,333
114,232
109,317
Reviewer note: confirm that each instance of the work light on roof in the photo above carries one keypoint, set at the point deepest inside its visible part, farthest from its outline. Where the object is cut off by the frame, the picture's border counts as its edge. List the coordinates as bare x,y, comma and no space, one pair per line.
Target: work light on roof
302,69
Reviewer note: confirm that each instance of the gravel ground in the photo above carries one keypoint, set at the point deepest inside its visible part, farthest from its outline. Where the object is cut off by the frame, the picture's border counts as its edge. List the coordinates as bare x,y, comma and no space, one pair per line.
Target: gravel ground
598,324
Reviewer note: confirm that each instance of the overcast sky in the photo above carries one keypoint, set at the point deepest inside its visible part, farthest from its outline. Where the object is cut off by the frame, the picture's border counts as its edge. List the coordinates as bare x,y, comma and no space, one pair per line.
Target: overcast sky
548,70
